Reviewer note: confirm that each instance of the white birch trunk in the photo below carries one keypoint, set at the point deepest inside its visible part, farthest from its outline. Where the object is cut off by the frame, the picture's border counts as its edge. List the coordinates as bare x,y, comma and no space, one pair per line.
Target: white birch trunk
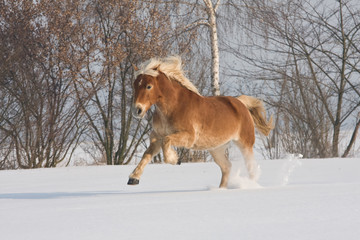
215,61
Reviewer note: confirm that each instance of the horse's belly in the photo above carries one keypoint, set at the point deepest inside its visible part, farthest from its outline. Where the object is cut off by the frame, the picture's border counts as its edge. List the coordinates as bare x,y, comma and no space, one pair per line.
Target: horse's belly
205,142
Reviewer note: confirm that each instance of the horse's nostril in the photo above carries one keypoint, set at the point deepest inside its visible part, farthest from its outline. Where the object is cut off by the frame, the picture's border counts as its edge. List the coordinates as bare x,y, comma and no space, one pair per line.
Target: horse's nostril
139,111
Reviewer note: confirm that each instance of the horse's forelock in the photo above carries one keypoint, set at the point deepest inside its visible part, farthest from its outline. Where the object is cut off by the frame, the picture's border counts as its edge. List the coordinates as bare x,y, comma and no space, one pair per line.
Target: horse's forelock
149,67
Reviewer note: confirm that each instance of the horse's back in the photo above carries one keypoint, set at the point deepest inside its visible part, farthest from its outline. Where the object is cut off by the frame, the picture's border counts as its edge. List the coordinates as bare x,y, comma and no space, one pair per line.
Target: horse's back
226,107
222,119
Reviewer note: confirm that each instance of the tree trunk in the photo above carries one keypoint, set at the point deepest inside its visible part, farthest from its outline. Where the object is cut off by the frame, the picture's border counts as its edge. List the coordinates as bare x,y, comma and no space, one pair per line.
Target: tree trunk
337,123
215,66
352,140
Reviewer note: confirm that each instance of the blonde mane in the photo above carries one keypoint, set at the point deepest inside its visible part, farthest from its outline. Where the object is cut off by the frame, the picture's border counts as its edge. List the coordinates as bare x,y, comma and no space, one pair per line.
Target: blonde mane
171,67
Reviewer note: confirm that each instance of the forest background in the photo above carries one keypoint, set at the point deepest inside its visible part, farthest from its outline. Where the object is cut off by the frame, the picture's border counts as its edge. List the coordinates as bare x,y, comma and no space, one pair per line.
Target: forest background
66,73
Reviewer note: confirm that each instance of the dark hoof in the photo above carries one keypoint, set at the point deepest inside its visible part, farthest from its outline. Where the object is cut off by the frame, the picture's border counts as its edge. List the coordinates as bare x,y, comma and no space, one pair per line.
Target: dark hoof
179,162
133,181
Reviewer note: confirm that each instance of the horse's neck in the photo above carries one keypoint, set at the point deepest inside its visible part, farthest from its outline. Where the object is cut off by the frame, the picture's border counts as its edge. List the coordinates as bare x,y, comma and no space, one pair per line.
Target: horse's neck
173,99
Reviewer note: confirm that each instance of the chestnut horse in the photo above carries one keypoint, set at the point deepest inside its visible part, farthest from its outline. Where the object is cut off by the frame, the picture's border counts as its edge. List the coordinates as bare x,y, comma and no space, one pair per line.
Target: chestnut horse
184,118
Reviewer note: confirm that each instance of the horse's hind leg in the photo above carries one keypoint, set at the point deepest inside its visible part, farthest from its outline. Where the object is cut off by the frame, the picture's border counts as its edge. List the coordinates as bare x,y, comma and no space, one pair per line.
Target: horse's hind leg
219,155
153,149
251,165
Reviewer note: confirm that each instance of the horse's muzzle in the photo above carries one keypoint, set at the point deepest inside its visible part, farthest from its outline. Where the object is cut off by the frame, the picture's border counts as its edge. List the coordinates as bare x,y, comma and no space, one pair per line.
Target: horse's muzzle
138,111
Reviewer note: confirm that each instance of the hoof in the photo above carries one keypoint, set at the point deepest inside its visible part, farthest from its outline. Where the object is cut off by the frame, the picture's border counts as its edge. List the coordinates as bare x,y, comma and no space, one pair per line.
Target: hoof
178,162
133,181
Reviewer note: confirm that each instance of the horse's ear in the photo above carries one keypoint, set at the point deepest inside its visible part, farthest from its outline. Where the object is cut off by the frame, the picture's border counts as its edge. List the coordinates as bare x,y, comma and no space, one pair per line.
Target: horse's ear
135,67
156,68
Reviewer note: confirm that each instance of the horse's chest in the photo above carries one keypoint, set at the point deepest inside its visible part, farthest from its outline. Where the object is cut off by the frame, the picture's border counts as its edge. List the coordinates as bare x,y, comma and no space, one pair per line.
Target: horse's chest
162,126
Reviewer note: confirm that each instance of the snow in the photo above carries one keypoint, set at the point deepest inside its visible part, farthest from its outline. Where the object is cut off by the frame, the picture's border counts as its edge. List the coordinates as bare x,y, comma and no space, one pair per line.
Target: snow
295,199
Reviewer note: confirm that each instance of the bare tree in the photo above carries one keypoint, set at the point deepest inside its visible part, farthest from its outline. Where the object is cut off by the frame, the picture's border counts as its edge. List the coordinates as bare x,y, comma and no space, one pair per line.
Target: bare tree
66,74
41,124
116,35
310,69
193,15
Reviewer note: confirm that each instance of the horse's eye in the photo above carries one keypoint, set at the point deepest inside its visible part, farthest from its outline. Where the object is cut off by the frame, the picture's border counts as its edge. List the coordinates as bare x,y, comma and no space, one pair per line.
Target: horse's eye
148,87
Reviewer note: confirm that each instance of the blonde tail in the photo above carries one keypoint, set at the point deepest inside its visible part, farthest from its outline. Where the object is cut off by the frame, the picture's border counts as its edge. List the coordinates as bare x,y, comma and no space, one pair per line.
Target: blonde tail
257,110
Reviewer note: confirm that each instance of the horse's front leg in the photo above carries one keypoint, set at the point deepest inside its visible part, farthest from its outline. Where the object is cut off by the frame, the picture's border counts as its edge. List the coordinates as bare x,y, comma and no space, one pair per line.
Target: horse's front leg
179,139
153,150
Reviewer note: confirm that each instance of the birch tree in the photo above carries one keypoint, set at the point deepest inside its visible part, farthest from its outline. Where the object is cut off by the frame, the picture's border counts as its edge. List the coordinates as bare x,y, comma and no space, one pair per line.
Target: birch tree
211,10
197,14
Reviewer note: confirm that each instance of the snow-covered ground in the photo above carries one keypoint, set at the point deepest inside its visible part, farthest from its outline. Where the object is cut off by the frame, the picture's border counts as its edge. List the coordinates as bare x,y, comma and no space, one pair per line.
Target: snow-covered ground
298,199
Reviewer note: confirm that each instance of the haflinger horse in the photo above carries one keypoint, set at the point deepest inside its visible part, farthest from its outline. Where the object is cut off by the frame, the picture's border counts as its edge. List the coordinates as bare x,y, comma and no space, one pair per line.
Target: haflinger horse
184,118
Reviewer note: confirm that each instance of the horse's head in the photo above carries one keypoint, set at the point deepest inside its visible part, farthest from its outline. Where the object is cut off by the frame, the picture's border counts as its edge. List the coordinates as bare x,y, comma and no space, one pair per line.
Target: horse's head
146,93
